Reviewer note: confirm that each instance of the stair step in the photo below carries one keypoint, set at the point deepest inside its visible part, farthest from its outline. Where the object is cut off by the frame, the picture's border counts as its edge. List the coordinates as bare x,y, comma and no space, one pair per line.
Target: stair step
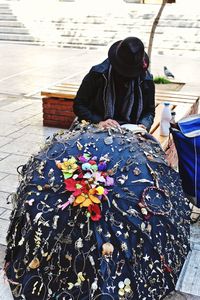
11,23
4,5
34,43
16,37
6,11
13,30
8,17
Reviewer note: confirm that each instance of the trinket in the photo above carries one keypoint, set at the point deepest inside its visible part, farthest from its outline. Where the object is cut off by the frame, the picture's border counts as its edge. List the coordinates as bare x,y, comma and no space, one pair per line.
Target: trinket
70,285
94,285
121,284
79,243
107,249
121,292
55,221
127,281
108,140
136,171
34,264
144,211
127,289
124,246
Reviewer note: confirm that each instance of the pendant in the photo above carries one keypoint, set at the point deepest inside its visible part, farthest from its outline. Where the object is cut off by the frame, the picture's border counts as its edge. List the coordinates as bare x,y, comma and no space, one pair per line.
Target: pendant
34,264
108,140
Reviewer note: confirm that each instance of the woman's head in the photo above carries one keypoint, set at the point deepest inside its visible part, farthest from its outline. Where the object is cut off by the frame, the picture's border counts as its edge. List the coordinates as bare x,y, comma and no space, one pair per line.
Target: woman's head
128,57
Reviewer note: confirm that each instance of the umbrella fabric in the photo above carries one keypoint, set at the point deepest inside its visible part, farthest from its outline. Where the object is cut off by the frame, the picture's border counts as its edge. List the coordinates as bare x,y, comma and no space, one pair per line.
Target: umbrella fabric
98,215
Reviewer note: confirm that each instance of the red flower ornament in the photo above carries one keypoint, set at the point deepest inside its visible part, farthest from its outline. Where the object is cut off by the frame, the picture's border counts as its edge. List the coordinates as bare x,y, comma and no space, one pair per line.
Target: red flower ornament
95,212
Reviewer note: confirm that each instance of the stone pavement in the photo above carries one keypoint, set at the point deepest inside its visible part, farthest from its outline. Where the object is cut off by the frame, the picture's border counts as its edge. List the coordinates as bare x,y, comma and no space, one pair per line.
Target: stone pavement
24,72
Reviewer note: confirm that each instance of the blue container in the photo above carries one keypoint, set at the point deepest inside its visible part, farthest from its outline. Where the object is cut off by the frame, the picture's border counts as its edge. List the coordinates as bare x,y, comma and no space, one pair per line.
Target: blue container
187,142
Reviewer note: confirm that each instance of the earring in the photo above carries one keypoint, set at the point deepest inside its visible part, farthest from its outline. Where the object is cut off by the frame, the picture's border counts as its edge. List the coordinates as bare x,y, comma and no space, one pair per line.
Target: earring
34,287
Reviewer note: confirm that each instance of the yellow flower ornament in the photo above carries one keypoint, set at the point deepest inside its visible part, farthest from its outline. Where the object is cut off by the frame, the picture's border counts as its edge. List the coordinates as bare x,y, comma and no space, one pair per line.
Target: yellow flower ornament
68,167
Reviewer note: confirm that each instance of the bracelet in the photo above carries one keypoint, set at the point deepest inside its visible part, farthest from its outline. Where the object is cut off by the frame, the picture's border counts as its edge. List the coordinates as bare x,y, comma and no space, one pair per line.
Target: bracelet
149,208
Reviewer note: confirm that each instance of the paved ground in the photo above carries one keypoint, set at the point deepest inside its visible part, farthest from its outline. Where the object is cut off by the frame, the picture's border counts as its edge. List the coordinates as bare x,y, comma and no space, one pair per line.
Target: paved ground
24,72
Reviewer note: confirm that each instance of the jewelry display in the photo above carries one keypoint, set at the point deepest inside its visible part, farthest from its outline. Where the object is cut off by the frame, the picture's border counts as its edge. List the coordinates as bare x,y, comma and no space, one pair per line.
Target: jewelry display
98,215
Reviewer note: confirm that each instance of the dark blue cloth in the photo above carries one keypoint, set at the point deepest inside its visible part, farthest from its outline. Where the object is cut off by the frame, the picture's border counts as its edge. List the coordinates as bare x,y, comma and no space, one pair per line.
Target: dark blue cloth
57,254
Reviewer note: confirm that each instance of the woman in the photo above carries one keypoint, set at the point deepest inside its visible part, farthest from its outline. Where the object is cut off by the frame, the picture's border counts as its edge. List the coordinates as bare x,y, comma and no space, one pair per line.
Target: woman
120,89
98,215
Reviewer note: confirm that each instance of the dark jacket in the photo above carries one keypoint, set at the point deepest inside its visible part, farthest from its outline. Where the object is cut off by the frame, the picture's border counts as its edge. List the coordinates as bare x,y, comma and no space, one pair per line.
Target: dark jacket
89,103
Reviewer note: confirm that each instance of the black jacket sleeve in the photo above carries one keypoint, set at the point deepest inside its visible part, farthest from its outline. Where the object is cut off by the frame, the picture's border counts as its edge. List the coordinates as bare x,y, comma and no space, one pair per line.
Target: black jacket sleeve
85,96
148,113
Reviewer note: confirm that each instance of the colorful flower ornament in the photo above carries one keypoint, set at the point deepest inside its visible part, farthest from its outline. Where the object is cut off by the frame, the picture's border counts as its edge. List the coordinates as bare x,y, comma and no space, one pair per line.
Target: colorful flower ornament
88,180
68,167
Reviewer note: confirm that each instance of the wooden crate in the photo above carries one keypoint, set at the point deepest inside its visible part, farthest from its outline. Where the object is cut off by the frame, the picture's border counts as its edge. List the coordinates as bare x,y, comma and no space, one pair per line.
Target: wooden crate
58,105
57,112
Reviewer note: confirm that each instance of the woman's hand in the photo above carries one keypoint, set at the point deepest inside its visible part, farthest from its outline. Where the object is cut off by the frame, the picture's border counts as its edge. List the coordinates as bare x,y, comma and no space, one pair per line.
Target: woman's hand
141,125
109,123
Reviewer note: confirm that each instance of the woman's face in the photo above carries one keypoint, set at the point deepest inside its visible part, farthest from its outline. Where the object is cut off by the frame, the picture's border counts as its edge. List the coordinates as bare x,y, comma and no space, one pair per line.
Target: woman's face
120,77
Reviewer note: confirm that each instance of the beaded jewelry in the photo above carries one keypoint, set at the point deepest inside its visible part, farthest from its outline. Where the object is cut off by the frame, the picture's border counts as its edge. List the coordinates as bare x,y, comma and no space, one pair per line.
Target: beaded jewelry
147,207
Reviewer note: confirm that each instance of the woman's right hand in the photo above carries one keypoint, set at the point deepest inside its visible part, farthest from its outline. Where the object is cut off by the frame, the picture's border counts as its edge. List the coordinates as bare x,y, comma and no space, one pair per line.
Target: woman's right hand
109,123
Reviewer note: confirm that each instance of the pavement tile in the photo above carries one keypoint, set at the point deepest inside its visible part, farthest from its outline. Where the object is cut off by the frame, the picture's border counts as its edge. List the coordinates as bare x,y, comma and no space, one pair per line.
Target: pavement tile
4,140
10,163
31,137
16,105
4,98
38,130
2,211
4,228
6,118
17,134
35,120
16,116
181,296
9,184
30,109
25,145
7,129
3,155
2,175
4,200
22,115
4,101
2,254
195,235
188,281
5,214
5,292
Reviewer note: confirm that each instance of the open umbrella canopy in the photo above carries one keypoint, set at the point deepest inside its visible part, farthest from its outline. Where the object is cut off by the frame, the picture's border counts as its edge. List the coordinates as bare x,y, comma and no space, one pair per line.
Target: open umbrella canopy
98,215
